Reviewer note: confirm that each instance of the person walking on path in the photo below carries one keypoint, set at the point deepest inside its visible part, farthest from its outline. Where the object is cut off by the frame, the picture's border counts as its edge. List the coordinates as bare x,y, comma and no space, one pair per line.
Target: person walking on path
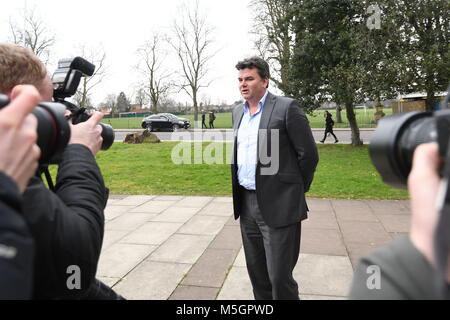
212,117
329,123
269,194
203,121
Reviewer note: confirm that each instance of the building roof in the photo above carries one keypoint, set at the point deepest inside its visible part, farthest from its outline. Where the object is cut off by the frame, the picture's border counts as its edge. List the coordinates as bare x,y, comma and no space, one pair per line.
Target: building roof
421,95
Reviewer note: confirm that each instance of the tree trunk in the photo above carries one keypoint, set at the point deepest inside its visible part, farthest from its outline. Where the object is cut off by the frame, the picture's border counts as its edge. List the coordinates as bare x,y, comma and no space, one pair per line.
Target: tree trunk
154,106
194,100
356,140
338,114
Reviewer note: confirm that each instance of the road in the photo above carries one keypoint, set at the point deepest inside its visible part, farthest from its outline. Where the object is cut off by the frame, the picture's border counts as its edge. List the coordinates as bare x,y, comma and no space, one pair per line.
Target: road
344,135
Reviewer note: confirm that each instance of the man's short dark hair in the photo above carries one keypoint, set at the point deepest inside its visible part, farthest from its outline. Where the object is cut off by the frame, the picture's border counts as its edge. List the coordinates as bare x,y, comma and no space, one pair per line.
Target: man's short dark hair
255,62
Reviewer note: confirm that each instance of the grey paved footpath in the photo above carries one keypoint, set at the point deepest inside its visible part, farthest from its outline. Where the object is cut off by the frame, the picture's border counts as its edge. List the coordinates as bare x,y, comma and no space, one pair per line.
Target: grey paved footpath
344,135
176,247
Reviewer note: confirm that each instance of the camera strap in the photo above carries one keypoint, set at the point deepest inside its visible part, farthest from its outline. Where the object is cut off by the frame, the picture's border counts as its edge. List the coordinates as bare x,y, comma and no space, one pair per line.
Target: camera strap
48,177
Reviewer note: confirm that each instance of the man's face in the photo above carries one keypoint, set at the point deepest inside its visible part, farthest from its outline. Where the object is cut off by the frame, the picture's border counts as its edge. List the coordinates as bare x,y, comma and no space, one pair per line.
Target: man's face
251,85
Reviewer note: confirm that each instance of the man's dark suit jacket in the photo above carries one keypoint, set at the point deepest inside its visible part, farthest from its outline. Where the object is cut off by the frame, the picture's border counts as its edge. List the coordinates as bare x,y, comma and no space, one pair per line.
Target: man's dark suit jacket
281,196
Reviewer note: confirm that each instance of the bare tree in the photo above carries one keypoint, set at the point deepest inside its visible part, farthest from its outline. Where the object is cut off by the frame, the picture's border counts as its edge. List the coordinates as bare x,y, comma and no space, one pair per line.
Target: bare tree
274,36
32,33
151,65
96,56
140,97
110,103
193,39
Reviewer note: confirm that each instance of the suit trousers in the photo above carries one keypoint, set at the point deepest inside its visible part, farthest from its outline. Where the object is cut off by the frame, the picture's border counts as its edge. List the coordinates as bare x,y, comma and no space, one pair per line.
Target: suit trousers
270,253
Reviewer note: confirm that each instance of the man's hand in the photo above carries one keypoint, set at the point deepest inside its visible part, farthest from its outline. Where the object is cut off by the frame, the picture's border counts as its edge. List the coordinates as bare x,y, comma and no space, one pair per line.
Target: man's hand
423,185
19,153
88,133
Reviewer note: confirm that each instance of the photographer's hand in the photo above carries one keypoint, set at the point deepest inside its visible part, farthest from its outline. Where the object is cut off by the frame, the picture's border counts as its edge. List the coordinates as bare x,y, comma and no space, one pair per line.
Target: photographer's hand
423,185
19,153
88,133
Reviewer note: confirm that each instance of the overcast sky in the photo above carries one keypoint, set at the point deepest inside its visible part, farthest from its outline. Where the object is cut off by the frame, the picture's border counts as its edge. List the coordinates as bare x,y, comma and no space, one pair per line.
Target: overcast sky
122,26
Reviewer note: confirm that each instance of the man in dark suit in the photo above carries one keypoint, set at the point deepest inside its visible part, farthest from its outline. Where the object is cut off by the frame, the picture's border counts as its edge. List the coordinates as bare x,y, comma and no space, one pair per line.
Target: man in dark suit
274,160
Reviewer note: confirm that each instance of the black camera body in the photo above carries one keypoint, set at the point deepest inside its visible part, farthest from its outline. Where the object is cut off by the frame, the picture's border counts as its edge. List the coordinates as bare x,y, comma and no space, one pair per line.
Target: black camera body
66,80
396,137
53,129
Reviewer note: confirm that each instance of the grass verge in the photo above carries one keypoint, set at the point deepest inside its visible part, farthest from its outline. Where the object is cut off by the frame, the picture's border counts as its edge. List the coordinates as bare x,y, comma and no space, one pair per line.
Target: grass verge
344,172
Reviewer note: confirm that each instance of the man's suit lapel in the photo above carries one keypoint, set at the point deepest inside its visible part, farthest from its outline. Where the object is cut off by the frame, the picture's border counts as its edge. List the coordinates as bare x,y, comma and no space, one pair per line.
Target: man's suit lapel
239,115
269,105
267,111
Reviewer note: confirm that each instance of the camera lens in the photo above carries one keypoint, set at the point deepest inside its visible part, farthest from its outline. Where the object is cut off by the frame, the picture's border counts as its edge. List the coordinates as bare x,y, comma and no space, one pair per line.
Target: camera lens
53,130
107,135
394,141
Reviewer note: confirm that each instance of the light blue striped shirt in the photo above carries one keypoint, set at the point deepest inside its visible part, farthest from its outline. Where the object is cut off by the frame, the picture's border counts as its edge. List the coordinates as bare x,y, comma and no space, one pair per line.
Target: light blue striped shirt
247,145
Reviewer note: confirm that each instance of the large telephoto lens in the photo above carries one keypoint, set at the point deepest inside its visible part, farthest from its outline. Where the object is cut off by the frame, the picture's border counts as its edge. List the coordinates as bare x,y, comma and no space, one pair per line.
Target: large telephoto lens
394,141
53,130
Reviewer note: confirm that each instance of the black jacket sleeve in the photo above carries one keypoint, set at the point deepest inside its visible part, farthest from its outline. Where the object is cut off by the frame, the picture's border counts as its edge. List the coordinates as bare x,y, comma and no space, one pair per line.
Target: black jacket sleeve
16,245
67,225
302,139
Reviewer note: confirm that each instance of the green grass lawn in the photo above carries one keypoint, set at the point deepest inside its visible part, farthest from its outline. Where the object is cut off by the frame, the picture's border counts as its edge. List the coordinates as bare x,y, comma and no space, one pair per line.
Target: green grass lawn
344,172
223,120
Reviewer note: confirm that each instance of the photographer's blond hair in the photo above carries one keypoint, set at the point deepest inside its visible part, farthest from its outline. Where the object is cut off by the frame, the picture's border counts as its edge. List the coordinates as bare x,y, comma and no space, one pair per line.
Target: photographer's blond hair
19,65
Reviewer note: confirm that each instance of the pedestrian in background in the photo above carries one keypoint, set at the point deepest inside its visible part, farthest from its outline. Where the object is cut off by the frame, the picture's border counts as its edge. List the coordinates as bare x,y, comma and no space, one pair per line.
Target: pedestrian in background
329,123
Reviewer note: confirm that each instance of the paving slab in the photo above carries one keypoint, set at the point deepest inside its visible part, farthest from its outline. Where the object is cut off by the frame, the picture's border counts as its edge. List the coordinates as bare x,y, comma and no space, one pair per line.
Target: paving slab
196,202
224,209
322,241
153,206
359,213
323,275
389,206
134,200
395,222
321,220
129,221
182,248
223,199
176,214
152,233
112,236
168,198
152,280
319,205
194,293
211,269
228,238
119,259
372,233
113,211
240,259
338,204
237,286
207,225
